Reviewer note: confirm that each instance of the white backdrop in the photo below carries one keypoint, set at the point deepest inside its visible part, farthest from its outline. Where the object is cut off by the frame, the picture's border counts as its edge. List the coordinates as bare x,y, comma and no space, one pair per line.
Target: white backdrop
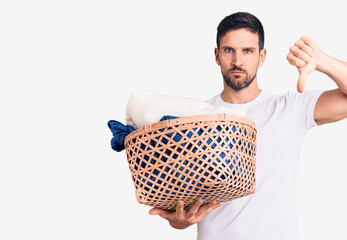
69,66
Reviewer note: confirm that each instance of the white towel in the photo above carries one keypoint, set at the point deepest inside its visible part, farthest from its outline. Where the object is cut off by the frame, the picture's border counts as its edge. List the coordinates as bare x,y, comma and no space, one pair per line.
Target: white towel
147,107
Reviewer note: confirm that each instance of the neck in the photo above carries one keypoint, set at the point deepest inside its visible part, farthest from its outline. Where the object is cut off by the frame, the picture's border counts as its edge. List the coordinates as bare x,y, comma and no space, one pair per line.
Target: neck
245,95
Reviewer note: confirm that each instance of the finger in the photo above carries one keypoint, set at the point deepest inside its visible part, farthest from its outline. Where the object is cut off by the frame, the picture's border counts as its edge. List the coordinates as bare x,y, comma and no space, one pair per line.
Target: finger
307,49
299,53
194,209
157,211
207,208
180,209
295,61
309,42
302,81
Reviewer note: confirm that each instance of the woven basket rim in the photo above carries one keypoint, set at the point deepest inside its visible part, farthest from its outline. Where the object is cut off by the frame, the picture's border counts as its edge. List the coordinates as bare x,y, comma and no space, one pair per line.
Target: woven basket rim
190,119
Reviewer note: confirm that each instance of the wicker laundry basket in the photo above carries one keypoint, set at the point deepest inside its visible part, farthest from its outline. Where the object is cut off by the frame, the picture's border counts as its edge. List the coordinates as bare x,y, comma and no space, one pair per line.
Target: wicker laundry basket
209,157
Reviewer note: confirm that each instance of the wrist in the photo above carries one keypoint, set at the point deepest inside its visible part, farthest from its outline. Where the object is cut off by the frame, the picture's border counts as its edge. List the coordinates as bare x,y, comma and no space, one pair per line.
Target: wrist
323,63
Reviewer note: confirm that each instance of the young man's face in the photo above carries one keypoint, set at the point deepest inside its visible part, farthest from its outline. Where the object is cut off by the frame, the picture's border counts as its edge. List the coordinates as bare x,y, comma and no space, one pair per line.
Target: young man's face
239,57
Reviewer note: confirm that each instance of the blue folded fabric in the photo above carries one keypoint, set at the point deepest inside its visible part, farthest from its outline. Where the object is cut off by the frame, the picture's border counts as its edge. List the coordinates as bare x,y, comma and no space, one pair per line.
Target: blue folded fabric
120,131
167,117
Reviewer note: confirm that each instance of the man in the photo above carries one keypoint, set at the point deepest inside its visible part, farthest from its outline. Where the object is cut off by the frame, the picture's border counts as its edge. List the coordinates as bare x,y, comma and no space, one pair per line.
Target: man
282,122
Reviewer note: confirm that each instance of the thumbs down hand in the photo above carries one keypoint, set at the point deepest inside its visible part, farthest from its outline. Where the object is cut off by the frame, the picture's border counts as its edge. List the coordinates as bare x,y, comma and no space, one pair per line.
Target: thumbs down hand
304,55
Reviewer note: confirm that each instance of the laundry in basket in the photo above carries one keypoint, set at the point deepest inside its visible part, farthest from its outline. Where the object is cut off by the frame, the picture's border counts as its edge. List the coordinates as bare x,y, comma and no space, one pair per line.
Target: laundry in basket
209,157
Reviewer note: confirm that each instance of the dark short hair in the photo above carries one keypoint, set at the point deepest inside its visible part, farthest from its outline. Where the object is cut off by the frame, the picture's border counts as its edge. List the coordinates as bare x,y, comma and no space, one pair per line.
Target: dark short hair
241,20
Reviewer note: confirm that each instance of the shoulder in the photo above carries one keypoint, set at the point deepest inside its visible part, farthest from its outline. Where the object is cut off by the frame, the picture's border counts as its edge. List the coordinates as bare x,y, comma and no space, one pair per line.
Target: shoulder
294,101
213,100
291,96
308,96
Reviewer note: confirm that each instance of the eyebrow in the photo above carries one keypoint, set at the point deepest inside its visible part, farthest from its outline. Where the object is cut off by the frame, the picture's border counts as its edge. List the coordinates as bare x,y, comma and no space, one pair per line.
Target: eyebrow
250,48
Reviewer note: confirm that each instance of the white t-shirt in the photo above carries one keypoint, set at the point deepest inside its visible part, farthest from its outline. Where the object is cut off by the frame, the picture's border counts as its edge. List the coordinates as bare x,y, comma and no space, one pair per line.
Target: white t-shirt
269,213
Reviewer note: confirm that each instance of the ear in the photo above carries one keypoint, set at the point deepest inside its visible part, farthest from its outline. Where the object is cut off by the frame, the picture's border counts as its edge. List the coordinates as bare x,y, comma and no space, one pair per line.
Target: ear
216,54
262,56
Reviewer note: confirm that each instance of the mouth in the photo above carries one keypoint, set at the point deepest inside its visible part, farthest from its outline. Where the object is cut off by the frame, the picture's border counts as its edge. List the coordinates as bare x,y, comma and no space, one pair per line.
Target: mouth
237,73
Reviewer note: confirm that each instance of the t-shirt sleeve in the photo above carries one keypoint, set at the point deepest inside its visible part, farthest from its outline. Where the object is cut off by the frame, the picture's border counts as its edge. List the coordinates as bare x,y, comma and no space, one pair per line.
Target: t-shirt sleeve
305,104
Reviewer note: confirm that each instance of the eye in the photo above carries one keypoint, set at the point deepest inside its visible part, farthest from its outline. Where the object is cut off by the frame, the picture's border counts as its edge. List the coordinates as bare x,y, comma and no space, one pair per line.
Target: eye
228,50
248,51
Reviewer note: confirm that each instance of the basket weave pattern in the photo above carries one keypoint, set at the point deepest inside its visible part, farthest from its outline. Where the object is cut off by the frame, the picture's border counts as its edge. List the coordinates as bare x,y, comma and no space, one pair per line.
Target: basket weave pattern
208,156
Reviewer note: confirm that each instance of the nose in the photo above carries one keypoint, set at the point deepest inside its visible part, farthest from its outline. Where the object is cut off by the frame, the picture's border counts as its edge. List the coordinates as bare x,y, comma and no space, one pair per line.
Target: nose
237,59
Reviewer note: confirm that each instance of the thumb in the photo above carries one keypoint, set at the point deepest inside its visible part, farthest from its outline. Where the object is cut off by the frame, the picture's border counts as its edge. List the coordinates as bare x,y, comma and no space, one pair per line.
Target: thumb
302,80
156,211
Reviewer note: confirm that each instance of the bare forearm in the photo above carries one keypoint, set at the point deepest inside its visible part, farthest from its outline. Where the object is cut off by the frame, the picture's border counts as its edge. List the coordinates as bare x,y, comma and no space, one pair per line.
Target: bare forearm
335,69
